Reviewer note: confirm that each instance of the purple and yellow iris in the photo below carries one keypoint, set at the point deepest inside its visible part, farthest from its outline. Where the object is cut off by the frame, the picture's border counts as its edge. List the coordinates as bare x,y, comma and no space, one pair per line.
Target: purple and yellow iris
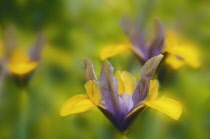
120,97
137,43
180,51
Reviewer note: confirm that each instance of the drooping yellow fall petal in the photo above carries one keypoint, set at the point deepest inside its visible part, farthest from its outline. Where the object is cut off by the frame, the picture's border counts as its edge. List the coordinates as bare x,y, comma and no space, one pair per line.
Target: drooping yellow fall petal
20,64
18,56
174,62
22,68
171,41
186,50
153,90
112,50
169,106
93,89
77,104
126,81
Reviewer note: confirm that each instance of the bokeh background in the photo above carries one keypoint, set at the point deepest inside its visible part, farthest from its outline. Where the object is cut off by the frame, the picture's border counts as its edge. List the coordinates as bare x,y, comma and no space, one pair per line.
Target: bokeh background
76,29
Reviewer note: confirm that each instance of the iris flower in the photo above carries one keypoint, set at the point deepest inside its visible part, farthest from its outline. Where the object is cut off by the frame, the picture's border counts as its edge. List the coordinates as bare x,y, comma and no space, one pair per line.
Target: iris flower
22,65
137,43
179,52
120,97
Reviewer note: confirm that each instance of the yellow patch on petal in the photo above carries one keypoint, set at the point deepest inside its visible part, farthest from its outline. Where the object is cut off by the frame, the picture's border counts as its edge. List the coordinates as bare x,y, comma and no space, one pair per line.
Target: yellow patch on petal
187,50
126,82
153,90
174,62
20,64
93,89
169,106
77,104
112,50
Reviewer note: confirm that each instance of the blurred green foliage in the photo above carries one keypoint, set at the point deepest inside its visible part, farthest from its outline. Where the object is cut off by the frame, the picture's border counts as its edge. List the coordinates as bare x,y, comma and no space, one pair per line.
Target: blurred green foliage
76,29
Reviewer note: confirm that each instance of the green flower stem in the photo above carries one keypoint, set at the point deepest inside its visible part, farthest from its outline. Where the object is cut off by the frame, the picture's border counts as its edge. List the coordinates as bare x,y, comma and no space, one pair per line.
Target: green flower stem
122,135
23,117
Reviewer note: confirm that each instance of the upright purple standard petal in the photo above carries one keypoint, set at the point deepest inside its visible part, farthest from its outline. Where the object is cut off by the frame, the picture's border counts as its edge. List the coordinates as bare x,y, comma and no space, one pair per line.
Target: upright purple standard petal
138,44
147,73
110,90
136,38
35,53
89,70
156,47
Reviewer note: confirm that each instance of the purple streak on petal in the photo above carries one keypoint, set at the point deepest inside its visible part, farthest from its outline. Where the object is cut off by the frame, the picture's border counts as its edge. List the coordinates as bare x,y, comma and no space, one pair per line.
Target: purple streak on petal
110,96
89,70
157,44
136,38
179,58
36,51
147,73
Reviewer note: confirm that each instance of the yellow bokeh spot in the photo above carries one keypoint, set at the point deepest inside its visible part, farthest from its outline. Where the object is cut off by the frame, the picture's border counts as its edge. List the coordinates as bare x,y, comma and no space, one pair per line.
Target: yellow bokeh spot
112,50
126,82
77,104
93,89
186,50
20,64
169,106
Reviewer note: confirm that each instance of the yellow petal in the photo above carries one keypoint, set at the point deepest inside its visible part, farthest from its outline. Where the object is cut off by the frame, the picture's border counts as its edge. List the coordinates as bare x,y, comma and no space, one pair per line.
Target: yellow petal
77,104
183,48
20,64
171,41
174,62
112,50
168,106
18,56
21,68
126,82
93,89
153,90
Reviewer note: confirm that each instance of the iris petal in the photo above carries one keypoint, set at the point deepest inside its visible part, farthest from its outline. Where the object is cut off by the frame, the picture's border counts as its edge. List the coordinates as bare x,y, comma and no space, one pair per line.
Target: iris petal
94,91
174,62
89,70
112,50
77,104
153,90
22,68
126,81
169,106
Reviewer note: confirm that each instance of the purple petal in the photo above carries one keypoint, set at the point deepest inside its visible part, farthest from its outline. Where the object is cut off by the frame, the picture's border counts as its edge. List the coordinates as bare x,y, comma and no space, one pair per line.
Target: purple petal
110,89
89,70
35,53
136,38
147,73
157,44
126,104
